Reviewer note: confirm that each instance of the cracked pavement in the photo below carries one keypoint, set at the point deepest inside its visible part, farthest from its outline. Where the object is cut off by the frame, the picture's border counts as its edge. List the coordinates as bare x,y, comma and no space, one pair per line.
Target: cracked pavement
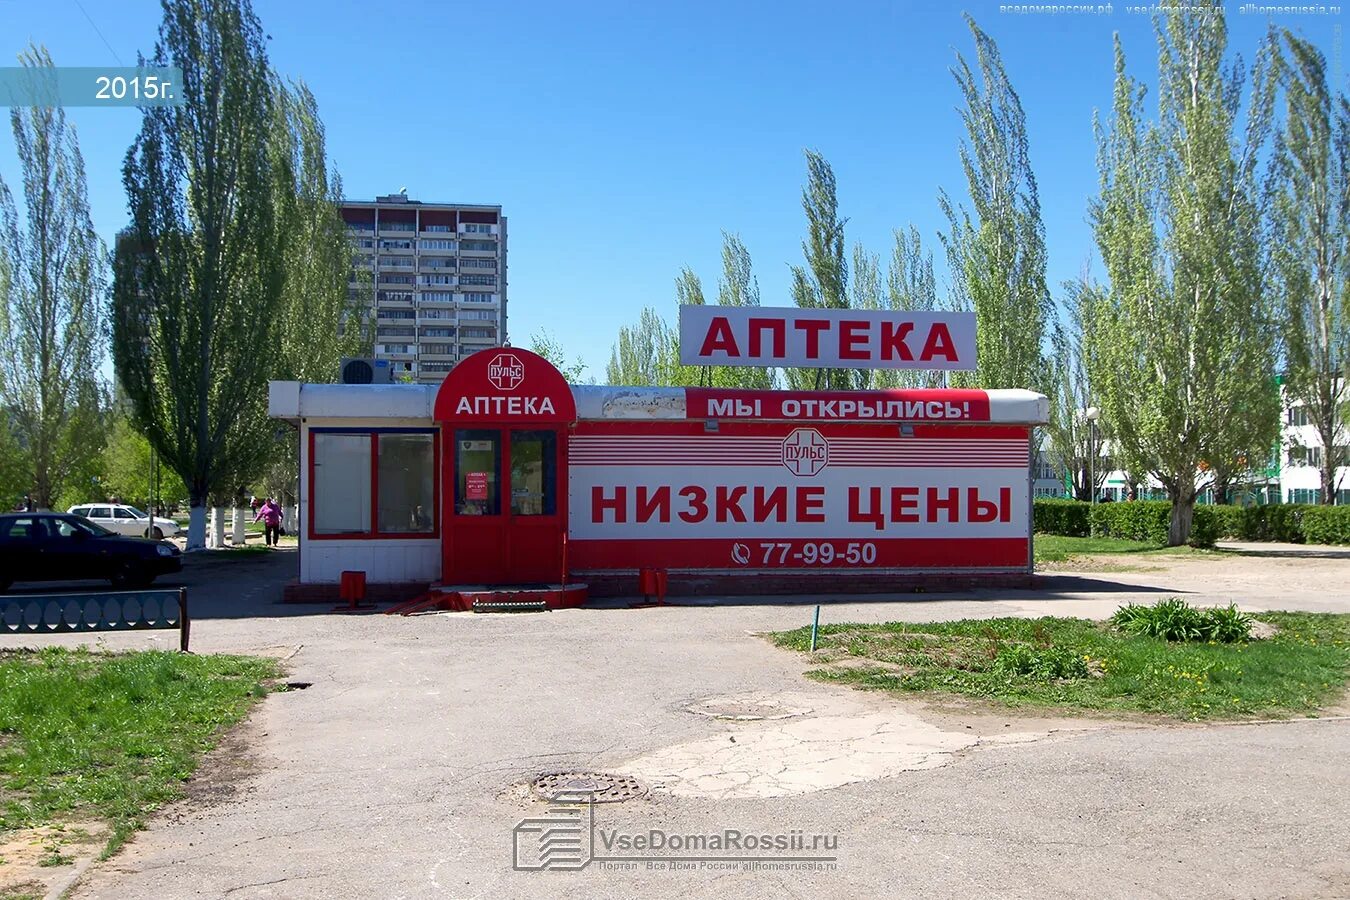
399,773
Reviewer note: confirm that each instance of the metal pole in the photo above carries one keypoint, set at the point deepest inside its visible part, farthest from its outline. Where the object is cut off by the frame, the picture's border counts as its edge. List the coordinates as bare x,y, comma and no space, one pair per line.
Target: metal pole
1092,463
184,623
815,627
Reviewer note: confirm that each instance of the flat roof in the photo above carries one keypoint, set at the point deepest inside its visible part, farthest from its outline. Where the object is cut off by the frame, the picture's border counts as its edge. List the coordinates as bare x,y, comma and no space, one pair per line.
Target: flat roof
293,400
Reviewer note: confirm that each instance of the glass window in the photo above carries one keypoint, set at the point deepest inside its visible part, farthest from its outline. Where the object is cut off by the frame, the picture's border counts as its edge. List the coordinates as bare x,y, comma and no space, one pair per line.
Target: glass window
534,473
20,529
407,495
99,512
341,495
478,470
80,511
125,513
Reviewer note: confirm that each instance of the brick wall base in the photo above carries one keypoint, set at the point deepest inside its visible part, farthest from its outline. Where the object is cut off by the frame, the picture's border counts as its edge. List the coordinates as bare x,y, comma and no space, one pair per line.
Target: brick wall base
688,585
328,593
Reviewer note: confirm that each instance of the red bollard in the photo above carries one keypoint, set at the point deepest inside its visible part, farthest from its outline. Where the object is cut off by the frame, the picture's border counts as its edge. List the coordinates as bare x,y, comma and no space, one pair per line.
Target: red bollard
652,581
352,589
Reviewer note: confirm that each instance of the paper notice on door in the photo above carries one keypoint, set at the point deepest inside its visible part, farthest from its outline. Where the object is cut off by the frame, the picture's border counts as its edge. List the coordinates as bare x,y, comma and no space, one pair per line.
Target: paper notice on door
475,485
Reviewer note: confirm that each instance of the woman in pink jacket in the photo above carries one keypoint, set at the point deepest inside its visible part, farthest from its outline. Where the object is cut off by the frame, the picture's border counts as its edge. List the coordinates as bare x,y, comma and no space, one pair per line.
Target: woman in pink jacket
270,513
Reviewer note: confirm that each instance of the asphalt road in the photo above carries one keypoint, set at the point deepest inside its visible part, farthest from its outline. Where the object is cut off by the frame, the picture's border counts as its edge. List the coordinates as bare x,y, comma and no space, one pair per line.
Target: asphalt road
399,772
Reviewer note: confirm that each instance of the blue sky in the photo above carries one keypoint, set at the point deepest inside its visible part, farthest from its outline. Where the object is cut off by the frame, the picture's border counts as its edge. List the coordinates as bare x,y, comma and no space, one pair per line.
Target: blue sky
621,138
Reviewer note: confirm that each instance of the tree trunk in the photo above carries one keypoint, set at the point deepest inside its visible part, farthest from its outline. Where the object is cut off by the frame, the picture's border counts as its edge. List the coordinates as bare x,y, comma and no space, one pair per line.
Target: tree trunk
217,528
196,539
239,535
1179,530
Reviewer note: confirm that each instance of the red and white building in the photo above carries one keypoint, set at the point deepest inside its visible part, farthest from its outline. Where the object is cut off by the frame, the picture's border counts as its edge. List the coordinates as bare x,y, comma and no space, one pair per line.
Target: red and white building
504,474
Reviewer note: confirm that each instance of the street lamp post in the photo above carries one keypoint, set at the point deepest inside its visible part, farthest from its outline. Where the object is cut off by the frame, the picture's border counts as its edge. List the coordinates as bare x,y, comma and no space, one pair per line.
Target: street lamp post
1092,414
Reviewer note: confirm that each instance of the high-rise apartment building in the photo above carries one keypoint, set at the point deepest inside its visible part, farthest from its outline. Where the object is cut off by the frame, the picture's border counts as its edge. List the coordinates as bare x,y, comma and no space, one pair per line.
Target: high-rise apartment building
437,279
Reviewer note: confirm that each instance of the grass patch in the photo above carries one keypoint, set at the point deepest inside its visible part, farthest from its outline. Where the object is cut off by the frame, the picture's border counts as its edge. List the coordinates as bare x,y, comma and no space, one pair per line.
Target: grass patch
111,735
1034,662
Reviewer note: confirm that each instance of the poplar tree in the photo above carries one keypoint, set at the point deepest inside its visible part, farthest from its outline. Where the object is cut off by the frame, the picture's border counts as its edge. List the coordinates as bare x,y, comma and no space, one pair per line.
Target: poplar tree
865,293
1074,445
53,276
644,353
910,287
200,272
1185,338
996,248
1311,241
823,282
739,287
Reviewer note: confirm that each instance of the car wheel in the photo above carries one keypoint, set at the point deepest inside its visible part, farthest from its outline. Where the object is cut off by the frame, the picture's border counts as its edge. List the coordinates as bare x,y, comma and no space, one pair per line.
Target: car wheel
159,533
130,576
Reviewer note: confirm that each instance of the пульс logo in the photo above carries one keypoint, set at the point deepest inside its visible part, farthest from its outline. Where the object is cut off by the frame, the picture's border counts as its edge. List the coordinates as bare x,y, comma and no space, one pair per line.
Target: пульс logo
805,452
506,372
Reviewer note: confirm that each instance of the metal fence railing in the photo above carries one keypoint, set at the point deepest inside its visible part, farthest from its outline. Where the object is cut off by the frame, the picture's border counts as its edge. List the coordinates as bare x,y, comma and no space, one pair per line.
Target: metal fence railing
105,611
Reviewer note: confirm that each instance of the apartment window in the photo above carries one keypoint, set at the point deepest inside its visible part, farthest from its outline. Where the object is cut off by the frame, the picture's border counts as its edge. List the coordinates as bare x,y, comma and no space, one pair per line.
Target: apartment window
478,279
437,279
395,296
394,497
1305,456
437,313
1298,415
490,246
472,263
477,228
365,243
398,244
394,314
360,226
437,244
438,348
438,262
438,332
489,314
1305,495
396,262
471,332
437,366
479,297
437,297
396,331
436,228
395,348
397,279
396,226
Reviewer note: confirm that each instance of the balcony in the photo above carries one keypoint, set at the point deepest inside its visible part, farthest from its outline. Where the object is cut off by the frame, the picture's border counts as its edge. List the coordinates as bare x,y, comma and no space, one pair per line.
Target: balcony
424,268
405,231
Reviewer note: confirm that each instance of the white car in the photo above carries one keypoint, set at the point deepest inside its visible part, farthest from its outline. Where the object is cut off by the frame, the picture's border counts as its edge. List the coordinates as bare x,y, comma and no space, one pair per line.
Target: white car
128,520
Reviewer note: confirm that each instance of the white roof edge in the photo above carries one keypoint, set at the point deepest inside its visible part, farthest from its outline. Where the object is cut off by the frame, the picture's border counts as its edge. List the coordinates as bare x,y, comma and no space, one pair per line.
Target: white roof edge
294,400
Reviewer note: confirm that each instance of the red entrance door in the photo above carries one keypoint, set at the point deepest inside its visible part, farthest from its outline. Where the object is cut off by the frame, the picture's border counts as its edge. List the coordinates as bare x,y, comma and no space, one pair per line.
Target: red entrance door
507,509
506,414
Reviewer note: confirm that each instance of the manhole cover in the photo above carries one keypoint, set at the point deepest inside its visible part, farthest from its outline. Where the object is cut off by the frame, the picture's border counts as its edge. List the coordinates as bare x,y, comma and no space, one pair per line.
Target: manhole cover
745,709
587,787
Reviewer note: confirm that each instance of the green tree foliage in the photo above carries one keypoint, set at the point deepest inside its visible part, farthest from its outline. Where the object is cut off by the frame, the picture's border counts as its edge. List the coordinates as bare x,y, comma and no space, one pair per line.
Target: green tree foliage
131,473
645,353
201,272
1185,338
823,282
1311,246
910,286
545,344
739,287
1073,444
53,273
996,248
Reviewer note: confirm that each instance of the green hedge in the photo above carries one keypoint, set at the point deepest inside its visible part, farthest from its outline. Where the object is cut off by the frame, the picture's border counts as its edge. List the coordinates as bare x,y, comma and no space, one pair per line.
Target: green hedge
1148,520
1066,517
1326,524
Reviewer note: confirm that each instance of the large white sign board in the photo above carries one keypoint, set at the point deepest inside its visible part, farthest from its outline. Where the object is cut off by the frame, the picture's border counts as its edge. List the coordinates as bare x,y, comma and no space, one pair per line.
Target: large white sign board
826,338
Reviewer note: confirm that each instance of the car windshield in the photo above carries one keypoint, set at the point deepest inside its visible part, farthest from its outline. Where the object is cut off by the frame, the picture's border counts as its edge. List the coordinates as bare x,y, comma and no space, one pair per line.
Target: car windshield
135,512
